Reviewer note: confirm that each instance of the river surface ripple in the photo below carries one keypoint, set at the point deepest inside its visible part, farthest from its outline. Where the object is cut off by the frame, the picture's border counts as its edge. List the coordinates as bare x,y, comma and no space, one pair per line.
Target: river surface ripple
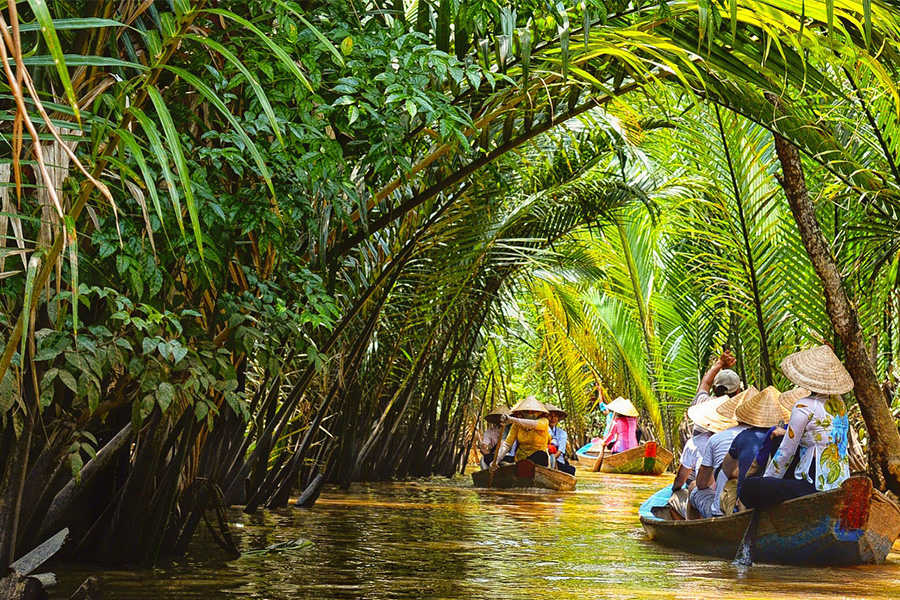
440,538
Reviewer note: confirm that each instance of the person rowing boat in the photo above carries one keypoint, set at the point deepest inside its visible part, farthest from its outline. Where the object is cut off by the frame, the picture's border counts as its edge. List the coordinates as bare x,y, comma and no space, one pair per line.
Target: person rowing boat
490,439
530,429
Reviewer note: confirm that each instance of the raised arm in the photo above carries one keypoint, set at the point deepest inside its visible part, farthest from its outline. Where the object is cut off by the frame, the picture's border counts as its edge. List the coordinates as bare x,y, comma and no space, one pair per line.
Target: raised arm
725,361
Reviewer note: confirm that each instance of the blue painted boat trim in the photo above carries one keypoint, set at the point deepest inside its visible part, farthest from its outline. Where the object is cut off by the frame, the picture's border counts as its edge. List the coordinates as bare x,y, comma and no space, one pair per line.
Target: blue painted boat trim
660,498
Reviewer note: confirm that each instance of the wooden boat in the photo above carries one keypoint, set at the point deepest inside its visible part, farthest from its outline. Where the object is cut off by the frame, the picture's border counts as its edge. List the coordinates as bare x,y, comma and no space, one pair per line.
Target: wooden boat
851,525
525,474
588,455
646,459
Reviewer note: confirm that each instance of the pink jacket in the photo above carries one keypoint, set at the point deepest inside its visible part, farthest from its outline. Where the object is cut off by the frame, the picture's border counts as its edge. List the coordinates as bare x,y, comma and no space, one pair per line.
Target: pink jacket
623,434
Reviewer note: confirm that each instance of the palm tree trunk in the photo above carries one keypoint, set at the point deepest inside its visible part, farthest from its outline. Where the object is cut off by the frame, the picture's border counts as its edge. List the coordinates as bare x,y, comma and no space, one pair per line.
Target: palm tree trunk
884,444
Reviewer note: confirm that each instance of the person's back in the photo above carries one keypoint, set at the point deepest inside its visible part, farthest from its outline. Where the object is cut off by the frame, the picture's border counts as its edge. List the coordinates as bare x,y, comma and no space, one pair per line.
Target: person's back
705,499
622,437
818,433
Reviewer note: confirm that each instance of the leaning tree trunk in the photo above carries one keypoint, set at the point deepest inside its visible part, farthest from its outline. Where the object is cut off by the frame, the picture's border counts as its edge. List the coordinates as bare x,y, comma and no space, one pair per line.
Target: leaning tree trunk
884,440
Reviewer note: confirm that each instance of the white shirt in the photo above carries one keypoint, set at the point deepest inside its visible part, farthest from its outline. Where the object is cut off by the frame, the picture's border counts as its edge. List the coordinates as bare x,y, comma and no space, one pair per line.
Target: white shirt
714,454
490,438
693,451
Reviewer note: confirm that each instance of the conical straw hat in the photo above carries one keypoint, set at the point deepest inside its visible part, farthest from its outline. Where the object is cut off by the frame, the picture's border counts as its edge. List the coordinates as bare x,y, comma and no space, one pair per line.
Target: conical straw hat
623,407
706,416
494,415
552,408
789,398
762,410
726,410
818,370
529,404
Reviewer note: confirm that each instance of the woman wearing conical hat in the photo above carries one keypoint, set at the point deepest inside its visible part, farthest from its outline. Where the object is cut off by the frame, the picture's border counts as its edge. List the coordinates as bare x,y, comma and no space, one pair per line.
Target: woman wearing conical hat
531,429
764,412
491,436
818,429
559,439
623,435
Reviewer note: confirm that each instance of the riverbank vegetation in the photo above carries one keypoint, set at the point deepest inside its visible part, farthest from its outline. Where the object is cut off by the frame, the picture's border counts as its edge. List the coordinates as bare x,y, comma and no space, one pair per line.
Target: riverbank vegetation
243,244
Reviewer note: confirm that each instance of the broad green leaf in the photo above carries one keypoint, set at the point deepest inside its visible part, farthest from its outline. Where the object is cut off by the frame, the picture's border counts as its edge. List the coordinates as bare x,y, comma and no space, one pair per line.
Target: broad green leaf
164,395
211,95
77,60
34,265
138,154
162,158
165,117
48,30
254,84
276,50
72,241
88,23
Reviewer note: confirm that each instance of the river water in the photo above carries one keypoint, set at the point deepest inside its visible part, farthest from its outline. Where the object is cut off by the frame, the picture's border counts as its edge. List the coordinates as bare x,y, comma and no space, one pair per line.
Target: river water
440,538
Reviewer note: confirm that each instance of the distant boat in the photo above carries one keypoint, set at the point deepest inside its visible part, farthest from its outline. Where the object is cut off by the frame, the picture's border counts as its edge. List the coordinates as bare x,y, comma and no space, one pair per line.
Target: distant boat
525,474
851,525
646,459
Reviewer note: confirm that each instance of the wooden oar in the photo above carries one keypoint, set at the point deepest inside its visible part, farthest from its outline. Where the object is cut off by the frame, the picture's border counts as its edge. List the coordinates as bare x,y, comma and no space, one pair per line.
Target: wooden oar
744,556
599,462
494,462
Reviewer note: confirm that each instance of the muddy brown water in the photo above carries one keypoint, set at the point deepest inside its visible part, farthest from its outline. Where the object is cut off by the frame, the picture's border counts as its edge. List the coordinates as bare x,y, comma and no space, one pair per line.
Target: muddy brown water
440,538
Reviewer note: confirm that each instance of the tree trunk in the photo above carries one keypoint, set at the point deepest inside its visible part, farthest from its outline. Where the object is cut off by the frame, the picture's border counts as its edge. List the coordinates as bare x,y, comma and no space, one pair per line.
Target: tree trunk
884,440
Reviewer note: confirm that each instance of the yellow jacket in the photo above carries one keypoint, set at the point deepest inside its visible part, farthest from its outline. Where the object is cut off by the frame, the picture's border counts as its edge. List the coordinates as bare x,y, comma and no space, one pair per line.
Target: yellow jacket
530,440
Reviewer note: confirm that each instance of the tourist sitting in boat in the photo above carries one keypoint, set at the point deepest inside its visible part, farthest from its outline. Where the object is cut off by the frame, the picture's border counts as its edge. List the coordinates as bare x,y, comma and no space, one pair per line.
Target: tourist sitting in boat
763,413
530,430
707,489
709,421
818,429
718,381
490,439
622,436
558,440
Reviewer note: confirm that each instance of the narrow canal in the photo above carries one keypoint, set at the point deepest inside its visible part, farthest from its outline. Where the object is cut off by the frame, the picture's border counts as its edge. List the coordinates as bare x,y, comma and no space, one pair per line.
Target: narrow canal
442,538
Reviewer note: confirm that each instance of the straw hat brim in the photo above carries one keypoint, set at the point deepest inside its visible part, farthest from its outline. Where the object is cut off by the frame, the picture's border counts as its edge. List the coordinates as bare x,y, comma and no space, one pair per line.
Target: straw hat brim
762,410
623,407
706,415
818,370
552,408
789,398
529,404
494,415
726,410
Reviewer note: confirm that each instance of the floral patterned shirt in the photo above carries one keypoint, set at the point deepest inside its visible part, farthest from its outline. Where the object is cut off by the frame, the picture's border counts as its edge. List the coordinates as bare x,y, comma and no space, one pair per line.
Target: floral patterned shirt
819,429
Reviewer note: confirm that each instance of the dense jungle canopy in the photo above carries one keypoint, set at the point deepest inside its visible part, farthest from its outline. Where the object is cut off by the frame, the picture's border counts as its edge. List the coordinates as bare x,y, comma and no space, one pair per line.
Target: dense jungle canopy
246,243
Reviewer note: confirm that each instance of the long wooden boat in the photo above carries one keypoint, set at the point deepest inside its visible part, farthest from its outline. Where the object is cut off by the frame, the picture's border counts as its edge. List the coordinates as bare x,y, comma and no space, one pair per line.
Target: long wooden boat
588,455
646,459
525,474
850,525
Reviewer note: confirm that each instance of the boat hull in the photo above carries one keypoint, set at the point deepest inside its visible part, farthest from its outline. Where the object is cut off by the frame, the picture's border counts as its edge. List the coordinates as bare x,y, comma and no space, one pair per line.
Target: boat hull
646,459
524,474
852,525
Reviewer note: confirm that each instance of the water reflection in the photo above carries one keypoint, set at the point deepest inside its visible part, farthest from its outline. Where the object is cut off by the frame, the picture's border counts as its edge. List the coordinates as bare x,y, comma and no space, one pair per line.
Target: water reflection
444,539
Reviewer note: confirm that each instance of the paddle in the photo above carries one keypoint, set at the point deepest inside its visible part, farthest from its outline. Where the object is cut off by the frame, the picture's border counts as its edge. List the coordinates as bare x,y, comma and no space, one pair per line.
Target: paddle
599,462
494,462
744,556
